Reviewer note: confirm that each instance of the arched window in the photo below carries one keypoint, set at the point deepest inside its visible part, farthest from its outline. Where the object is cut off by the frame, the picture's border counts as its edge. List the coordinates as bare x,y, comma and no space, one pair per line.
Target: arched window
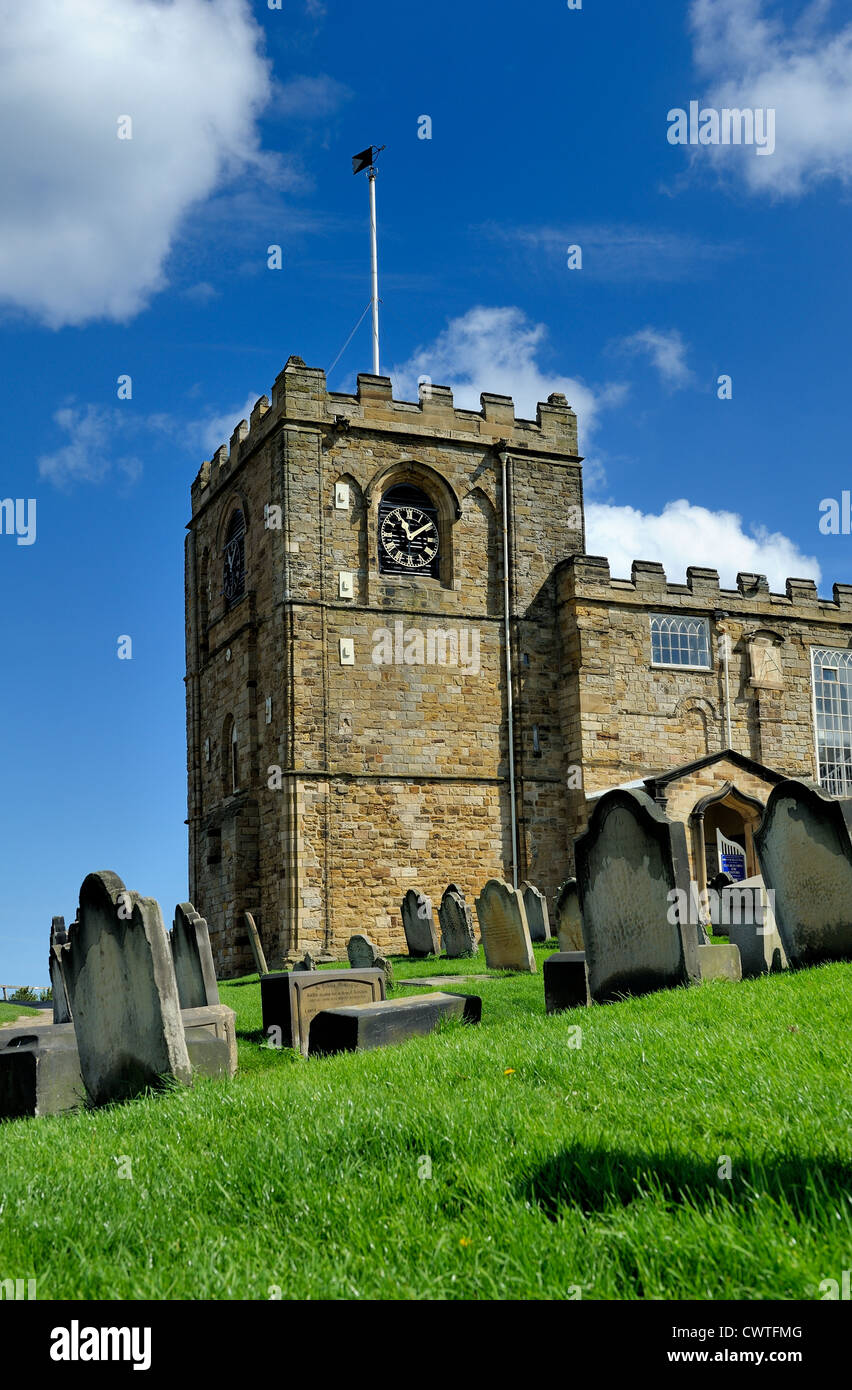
409,537
234,559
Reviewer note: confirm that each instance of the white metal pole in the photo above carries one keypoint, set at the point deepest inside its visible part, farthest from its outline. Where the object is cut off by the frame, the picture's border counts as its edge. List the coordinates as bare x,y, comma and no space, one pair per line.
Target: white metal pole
375,271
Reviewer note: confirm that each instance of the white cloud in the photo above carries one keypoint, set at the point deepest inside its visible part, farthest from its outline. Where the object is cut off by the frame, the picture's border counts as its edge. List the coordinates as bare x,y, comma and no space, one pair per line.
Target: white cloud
205,435
667,352
310,98
86,219
684,534
87,457
804,72
496,350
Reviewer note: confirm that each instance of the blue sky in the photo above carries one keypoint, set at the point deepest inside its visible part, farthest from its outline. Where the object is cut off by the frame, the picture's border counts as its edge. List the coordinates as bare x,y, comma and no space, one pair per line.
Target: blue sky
148,257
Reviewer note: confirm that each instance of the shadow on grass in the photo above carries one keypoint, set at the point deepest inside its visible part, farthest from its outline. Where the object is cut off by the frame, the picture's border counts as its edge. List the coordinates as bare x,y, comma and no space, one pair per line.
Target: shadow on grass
594,1180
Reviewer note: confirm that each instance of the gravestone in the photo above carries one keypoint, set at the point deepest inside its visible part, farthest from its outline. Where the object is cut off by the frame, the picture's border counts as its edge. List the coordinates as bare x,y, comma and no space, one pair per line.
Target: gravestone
566,983
193,959
503,923
418,923
629,862
56,966
306,963
363,955
124,996
804,844
719,962
40,1065
256,946
535,906
569,923
291,999
747,917
364,1026
458,935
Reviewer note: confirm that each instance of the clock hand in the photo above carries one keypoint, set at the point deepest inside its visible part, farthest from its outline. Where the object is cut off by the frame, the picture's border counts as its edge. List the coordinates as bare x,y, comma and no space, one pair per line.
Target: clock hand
412,534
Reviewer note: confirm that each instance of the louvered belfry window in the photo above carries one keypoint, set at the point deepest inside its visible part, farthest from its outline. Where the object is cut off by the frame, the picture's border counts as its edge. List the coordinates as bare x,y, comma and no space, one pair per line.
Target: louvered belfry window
234,559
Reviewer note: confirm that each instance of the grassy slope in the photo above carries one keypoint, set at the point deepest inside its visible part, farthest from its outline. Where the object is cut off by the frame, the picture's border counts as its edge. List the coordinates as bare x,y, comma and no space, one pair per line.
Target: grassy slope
593,1166
9,1012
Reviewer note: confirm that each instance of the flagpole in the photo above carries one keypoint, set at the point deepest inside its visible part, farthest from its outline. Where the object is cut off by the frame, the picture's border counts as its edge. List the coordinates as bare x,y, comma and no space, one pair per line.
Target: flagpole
375,269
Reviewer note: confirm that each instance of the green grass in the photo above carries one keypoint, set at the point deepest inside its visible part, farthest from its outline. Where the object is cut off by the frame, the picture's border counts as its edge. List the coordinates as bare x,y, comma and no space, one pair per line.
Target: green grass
9,1012
553,1166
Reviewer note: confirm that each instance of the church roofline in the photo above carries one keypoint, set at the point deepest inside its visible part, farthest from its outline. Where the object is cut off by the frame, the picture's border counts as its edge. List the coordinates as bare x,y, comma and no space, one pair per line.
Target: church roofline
300,396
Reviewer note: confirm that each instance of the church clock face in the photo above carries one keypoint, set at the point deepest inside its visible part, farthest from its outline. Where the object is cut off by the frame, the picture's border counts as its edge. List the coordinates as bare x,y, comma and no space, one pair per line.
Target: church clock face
408,539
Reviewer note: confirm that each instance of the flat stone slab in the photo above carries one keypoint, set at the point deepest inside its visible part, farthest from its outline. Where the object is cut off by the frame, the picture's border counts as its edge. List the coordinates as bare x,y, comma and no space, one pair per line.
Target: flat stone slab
290,1000
566,981
367,1026
441,981
40,1066
720,962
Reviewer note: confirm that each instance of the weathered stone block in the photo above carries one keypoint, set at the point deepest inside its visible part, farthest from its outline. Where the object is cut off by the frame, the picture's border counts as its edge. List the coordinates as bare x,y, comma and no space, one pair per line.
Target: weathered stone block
503,923
290,1001
720,962
628,863
123,992
458,934
804,844
749,922
418,923
569,922
193,959
362,952
566,981
393,1021
535,906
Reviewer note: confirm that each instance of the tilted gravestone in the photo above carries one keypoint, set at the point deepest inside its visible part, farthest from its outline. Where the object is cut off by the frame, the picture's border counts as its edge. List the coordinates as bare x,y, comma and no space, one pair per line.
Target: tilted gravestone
569,923
193,959
630,863
804,844
291,1000
418,923
124,996
535,906
458,935
256,947
58,944
503,923
362,954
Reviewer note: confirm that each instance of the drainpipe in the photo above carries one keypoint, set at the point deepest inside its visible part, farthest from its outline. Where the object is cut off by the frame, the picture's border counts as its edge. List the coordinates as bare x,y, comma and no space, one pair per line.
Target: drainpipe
719,618
508,643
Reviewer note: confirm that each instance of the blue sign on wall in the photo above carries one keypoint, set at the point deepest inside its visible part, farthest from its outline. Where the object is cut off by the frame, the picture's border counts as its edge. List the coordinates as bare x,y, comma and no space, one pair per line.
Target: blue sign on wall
734,864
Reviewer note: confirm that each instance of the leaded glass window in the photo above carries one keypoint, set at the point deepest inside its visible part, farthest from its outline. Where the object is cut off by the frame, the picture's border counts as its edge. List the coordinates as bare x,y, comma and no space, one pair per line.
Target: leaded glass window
680,642
832,684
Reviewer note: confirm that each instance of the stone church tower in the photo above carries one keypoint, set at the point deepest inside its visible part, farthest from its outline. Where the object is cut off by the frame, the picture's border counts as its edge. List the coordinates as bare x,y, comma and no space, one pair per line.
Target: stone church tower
353,564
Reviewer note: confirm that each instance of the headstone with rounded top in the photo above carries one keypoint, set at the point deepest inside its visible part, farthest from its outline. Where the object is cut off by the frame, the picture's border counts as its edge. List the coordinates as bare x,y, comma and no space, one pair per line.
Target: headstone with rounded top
418,923
458,935
503,923
569,923
535,906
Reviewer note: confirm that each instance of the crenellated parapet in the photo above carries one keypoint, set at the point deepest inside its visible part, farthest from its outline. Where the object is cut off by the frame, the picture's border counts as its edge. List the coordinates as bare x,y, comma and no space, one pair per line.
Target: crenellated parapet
300,397
588,577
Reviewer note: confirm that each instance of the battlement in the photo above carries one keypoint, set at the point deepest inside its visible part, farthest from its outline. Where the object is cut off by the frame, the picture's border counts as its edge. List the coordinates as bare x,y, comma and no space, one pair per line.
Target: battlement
588,577
300,396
